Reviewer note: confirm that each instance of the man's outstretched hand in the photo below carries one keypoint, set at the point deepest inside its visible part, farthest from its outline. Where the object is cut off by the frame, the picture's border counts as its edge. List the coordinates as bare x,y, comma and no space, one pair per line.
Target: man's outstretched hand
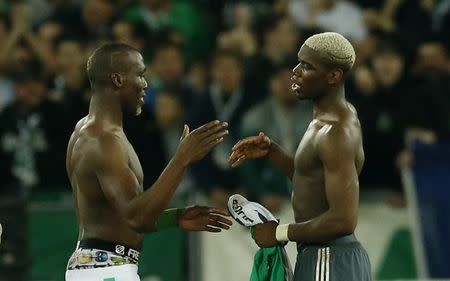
249,148
200,218
194,145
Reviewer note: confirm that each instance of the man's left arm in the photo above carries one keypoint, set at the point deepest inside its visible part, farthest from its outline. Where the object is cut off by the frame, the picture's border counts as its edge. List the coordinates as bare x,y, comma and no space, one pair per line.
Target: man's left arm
337,153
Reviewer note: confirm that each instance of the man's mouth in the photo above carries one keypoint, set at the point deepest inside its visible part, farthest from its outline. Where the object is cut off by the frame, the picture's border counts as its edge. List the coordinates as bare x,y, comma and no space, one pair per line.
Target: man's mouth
141,99
295,87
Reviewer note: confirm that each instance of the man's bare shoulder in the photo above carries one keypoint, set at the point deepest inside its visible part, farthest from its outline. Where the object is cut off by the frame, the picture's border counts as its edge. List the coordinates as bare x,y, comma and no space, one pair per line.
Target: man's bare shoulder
98,142
343,136
111,140
80,123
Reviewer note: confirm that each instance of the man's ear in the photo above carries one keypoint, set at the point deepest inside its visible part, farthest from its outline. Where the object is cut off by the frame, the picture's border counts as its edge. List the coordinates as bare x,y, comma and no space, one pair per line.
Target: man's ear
335,76
117,80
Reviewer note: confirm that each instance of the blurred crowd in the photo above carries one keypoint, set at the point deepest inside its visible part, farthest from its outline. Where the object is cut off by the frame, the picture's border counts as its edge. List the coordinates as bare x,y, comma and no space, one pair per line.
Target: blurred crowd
230,60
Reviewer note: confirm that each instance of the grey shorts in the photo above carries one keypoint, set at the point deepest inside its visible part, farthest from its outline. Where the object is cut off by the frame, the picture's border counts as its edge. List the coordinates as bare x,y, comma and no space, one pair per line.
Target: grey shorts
343,259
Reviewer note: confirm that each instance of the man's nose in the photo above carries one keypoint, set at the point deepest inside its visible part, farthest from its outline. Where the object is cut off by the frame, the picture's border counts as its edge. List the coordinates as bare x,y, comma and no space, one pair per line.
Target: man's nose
296,71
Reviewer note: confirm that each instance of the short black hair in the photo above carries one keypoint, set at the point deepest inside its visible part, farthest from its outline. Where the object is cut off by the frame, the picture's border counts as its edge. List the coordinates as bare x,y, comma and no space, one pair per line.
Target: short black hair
102,63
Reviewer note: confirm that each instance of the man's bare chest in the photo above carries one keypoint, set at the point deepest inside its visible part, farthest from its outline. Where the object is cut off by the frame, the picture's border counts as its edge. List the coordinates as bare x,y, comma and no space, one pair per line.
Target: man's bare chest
135,164
307,157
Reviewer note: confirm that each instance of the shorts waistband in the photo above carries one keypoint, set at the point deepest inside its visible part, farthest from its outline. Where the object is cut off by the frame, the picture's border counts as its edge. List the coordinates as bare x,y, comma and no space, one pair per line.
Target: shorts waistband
347,239
121,250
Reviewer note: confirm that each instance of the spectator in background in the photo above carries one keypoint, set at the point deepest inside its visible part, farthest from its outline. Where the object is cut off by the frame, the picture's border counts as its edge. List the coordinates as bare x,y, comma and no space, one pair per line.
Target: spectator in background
240,36
32,135
22,43
43,43
170,118
13,53
145,136
329,15
31,157
379,15
136,34
169,113
126,32
89,19
409,21
280,40
168,71
197,77
168,66
413,23
225,100
429,106
431,58
380,95
285,119
70,85
180,21
96,17
39,39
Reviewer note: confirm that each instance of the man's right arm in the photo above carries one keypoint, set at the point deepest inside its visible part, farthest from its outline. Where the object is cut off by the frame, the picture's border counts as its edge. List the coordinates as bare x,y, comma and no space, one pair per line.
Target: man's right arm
122,189
280,159
262,146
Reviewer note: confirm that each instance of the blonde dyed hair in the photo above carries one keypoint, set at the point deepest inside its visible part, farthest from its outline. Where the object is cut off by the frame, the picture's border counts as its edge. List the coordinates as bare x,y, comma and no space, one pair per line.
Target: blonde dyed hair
334,48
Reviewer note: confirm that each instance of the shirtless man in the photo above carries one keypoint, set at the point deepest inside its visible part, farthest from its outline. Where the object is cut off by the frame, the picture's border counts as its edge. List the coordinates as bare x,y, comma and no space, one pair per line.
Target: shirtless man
324,170
112,209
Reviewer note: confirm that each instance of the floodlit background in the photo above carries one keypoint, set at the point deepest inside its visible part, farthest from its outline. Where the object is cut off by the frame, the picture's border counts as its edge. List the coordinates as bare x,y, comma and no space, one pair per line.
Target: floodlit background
230,60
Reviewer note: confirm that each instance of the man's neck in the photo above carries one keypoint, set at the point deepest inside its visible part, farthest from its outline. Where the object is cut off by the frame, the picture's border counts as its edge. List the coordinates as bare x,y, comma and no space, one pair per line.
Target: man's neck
105,107
328,106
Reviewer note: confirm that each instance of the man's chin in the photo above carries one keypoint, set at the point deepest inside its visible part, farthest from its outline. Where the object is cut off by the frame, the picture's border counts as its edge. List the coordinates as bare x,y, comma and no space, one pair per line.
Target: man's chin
138,111
300,96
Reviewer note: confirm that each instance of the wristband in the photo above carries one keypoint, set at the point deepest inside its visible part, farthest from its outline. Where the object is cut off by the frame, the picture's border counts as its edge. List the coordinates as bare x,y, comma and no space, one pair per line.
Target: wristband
282,233
167,219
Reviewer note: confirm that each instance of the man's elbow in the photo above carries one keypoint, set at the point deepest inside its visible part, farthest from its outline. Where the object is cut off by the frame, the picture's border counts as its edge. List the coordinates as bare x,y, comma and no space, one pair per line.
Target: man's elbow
138,224
343,223
348,225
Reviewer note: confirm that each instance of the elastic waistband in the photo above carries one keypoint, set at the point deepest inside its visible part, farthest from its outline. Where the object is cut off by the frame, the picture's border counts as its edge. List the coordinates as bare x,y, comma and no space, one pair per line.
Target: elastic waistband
347,239
112,247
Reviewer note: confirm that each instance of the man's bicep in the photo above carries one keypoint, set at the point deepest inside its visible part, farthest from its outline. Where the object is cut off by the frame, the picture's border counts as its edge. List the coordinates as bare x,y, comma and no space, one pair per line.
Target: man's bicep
341,177
341,186
118,183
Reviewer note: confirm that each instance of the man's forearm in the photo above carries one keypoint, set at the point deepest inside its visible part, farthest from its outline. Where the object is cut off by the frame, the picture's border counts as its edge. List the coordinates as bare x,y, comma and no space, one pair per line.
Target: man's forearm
281,160
168,219
147,207
323,228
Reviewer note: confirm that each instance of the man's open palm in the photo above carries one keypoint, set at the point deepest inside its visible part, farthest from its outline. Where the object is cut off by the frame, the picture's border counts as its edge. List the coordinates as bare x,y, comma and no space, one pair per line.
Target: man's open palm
249,148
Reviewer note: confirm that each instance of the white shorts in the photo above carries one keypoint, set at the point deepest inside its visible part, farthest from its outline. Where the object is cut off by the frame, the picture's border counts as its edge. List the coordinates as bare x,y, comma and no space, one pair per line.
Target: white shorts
127,272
